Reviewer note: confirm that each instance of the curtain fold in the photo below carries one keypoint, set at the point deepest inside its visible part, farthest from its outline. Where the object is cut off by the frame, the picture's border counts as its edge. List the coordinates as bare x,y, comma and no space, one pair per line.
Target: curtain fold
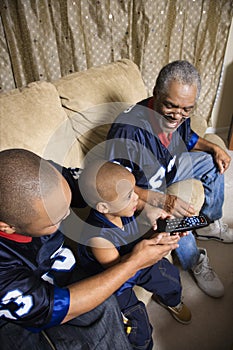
47,39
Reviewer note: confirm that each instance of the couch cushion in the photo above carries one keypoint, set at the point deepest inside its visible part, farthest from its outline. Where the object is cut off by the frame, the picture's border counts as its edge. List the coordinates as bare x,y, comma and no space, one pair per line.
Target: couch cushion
198,125
93,98
91,126
33,119
119,81
215,139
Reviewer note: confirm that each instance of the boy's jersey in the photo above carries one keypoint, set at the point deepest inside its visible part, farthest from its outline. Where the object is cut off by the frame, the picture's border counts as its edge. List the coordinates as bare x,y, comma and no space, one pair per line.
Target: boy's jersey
97,225
134,142
33,275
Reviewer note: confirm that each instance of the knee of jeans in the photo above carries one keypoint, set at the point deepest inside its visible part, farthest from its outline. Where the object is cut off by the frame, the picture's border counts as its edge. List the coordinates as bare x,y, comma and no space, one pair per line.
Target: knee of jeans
188,252
110,303
140,335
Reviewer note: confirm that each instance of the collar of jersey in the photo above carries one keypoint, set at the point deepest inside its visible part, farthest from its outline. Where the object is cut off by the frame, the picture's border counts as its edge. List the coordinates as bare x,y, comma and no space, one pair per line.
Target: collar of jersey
16,237
165,139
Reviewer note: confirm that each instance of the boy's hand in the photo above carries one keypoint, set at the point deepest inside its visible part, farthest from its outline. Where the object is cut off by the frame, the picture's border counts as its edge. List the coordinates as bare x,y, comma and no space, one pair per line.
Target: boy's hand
149,251
170,239
152,214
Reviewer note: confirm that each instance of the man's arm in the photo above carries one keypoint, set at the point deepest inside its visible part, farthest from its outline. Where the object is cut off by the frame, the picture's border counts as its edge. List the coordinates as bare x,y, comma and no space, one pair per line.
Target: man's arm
221,158
89,293
169,203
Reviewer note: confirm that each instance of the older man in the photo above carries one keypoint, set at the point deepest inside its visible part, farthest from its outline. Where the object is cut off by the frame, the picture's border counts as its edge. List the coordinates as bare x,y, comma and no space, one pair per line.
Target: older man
154,139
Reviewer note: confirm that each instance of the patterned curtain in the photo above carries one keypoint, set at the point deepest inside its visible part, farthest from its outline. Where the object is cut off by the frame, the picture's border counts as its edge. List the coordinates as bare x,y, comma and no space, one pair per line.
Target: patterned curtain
47,39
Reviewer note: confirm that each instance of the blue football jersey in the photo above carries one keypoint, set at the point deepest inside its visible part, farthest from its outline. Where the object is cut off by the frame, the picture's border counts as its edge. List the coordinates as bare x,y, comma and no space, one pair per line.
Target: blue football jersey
97,225
133,142
34,273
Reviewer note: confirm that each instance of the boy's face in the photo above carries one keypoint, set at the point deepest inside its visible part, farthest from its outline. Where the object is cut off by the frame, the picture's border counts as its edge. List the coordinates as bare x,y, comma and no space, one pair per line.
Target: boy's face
50,212
126,200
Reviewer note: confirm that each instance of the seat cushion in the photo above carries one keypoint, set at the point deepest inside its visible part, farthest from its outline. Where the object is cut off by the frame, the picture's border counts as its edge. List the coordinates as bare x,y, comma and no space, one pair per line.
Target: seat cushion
33,118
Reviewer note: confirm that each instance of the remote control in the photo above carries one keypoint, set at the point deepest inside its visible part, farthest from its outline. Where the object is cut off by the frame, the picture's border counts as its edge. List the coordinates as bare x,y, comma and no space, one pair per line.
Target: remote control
187,223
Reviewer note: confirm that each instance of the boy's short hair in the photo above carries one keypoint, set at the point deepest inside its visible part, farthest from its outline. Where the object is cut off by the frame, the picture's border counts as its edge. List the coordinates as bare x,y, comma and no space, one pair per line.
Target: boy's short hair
99,179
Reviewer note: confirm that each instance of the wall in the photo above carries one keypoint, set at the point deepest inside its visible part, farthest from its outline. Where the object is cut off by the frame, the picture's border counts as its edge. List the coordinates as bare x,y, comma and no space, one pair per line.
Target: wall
44,40
223,108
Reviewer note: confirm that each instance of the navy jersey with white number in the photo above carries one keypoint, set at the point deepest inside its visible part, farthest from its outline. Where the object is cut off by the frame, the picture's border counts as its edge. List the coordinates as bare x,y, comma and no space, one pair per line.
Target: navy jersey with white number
97,225
34,273
134,143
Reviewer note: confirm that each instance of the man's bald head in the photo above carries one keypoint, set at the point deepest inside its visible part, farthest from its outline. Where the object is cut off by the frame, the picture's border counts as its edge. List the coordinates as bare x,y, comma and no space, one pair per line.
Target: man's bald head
24,179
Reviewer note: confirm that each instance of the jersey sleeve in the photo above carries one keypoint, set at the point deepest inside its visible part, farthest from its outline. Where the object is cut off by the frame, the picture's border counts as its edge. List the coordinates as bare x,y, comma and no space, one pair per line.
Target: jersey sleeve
29,301
33,280
72,175
126,146
61,302
188,135
192,140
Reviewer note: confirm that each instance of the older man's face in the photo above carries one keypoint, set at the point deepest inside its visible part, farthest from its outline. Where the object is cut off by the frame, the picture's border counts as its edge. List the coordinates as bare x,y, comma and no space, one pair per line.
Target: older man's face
175,106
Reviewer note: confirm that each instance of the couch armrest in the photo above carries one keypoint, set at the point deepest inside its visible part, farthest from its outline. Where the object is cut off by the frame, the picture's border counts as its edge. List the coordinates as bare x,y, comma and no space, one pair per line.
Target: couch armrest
216,139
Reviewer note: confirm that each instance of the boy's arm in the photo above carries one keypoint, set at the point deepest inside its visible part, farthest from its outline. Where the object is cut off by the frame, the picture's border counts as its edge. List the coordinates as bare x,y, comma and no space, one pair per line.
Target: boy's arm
87,294
104,251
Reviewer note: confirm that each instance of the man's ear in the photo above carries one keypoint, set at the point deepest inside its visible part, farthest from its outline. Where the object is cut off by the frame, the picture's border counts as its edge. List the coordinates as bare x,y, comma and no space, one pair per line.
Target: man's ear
102,207
6,228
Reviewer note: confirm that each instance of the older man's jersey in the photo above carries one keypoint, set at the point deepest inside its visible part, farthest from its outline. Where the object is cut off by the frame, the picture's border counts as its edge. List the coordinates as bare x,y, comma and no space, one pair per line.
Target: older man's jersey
134,141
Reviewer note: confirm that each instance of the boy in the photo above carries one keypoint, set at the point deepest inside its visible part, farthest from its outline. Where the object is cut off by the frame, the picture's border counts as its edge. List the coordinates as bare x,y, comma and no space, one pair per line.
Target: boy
111,232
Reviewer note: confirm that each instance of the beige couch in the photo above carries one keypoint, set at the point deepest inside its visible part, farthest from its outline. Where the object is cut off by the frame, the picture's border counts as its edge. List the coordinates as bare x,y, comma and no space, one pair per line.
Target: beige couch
63,120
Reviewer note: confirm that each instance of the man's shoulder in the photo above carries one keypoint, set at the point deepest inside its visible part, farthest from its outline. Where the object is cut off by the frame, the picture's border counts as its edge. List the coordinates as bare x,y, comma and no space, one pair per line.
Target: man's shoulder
131,121
98,220
136,112
21,250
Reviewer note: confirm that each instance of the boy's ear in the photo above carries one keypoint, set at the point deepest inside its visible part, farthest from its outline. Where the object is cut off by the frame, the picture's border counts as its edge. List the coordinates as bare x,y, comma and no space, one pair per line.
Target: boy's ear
102,207
6,228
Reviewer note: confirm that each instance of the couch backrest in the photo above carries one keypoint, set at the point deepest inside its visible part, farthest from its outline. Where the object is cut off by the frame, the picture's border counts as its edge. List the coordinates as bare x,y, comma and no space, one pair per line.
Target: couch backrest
63,120
93,98
119,81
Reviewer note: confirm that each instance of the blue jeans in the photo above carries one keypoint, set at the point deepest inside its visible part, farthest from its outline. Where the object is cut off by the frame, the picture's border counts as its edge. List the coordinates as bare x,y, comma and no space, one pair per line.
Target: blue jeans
200,166
99,329
188,252
162,279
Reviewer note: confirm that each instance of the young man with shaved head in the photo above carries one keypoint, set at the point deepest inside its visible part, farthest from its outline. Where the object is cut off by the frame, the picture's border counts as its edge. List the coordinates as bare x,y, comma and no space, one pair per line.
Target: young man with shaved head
46,301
